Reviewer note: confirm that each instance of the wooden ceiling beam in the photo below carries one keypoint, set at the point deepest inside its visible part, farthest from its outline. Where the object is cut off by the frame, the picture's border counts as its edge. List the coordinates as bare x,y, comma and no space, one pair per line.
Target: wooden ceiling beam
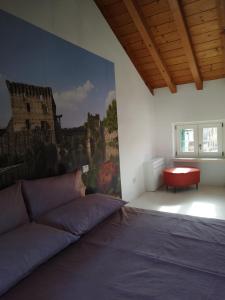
142,28
186,41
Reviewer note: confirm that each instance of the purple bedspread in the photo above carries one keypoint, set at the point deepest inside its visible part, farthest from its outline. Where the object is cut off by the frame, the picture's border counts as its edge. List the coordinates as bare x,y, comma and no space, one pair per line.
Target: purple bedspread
136,255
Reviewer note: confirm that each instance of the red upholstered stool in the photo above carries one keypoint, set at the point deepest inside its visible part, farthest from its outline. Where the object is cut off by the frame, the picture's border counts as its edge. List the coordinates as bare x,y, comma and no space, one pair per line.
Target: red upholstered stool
181,177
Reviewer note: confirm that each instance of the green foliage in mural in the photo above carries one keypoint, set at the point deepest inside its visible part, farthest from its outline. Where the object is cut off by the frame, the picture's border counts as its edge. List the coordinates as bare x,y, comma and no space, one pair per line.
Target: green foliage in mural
114,143
110,121
41,159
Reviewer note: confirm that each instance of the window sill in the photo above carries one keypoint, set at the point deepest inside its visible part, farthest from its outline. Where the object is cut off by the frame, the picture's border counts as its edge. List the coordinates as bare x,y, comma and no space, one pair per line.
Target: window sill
197,159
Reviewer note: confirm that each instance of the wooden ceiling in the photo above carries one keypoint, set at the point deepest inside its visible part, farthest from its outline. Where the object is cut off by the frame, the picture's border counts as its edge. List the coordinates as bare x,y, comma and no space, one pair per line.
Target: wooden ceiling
170,42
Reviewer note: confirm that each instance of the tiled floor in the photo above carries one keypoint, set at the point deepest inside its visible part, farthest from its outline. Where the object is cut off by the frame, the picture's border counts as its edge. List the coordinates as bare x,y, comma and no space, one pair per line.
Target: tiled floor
207,201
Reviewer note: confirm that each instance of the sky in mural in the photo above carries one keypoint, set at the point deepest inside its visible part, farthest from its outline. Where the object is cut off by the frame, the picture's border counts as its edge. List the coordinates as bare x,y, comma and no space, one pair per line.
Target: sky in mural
82,82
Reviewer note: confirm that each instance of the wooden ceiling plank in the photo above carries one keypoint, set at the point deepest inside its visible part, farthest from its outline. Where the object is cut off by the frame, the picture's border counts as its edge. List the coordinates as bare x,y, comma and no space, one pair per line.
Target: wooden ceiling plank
212,67
144,2
154,8
120,20
172,53
170,46
113,9
186,41
183,78
163,28
205,27
150,44
176,60
219,73
147,73
176,74
182,66
181,73
209,53
221,13
144,60
136,46
166,38
130,38
211,60
159,19
131,56
158,85
202,17
147,66
199,6
214,44
125,29
185,2
141,53
205,37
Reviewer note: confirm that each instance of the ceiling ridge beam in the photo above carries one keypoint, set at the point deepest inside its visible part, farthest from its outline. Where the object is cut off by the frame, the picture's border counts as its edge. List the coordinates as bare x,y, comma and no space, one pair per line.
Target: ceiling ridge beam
142,28
186,42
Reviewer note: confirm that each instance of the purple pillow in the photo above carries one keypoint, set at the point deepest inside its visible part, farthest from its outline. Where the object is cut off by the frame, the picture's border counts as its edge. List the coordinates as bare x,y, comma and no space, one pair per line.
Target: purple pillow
81,215
12,208
25,248
43,195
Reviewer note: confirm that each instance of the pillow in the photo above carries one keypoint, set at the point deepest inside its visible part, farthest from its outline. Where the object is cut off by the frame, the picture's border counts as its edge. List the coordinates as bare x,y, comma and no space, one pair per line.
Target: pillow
23,249
12,208
43,195
81,215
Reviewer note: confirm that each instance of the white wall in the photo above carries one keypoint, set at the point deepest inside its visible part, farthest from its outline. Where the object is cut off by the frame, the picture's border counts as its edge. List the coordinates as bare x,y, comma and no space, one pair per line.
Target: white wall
80,22
188,105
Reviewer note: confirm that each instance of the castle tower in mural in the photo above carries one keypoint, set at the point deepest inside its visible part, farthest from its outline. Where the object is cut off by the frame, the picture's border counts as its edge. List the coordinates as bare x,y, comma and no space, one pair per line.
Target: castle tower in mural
33,107
33,120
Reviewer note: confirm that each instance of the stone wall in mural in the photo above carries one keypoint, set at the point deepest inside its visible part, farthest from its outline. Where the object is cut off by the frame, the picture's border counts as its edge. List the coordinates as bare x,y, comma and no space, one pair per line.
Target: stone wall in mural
58,109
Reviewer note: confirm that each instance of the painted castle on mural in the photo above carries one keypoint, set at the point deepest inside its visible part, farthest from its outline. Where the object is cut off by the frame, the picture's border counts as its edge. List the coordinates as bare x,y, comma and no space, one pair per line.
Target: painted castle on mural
57,115
34,145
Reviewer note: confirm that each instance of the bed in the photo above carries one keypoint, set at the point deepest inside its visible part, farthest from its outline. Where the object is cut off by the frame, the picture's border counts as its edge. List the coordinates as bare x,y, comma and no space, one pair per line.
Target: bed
135,254
58,243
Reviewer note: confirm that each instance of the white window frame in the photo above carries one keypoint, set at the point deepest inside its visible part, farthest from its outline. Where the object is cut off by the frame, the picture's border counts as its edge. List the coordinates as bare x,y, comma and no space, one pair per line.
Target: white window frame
197,127
219,127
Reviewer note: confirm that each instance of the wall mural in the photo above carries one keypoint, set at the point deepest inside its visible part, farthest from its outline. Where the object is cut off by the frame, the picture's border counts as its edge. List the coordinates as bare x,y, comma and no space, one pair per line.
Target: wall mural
57,109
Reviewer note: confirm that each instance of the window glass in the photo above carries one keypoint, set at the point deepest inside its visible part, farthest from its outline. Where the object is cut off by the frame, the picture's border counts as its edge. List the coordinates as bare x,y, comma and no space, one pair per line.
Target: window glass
187,140
210,140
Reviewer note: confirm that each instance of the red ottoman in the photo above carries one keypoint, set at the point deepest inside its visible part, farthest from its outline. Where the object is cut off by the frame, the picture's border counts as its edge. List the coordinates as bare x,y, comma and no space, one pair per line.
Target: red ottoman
181,177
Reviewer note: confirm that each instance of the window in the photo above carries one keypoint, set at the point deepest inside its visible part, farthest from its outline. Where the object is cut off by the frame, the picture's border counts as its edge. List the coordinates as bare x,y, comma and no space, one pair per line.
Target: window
45,108
199,140
27,123
44,125
28,107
